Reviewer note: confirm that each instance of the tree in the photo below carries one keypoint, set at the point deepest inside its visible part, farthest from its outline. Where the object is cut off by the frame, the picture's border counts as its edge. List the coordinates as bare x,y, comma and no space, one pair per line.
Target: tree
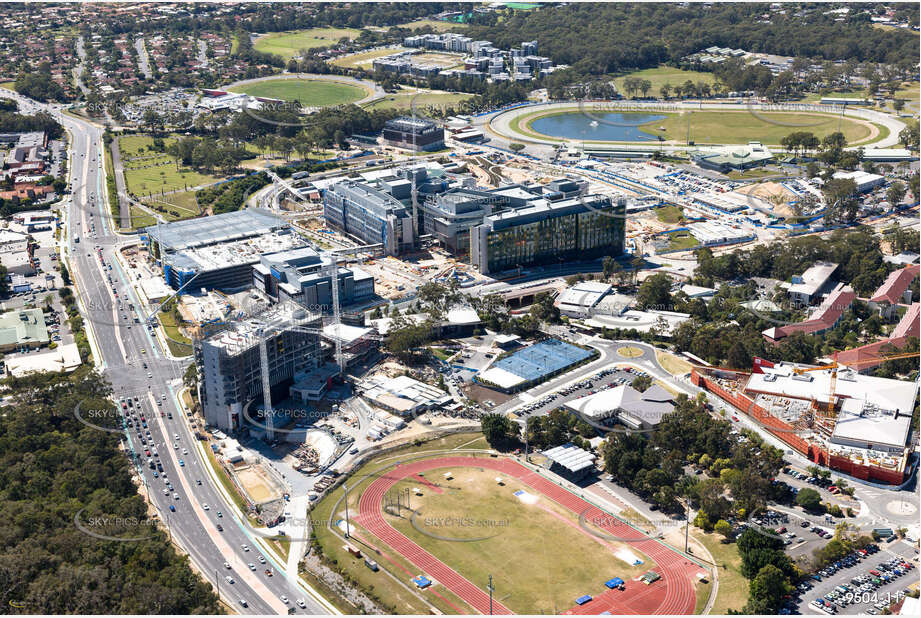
655,292
809,499
766,591
608,266
896,193
500,431
516,146
641,383
738,357
724,528
665,90
908,136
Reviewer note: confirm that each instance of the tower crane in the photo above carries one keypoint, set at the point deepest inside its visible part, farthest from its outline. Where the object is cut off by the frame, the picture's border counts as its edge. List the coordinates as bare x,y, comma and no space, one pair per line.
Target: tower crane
829,410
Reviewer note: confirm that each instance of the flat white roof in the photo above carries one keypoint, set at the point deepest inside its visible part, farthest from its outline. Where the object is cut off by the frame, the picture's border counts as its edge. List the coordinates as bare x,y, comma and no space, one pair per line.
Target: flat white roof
501,377
583,295
345,332
855,389
872,429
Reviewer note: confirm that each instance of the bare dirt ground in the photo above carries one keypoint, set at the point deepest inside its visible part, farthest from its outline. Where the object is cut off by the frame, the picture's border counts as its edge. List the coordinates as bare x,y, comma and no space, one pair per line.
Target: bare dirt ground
772,192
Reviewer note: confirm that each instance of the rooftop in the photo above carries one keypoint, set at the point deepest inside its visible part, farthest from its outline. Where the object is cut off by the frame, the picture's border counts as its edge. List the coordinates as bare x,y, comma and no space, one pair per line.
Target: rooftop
896,284
631,406
813,279
23,326
570,457
223,228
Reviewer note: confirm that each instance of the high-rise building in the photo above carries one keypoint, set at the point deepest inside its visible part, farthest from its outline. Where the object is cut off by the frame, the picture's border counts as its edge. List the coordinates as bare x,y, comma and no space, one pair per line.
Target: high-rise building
548,232
369,214
229,361
413,134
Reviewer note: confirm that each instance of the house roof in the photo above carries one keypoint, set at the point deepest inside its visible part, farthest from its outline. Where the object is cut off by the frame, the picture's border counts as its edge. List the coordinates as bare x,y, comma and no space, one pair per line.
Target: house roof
896,283
823,318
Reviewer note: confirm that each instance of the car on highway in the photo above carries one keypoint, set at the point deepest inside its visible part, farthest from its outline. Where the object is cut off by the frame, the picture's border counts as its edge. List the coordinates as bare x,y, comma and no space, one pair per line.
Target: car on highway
261,560
181,463
206,507
244,547
252,567
229,579
243,603
220,528
284,599
301,604
172,508
227,565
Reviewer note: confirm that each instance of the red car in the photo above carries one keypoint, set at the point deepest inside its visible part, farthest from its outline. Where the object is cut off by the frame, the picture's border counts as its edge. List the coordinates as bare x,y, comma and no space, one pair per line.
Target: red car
735,418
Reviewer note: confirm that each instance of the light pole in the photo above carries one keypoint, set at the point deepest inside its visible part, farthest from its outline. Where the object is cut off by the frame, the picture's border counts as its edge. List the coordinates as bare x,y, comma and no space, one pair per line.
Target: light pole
345,490
490,588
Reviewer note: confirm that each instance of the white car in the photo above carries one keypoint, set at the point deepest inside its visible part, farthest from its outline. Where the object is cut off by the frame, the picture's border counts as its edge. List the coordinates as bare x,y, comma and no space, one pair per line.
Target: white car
229,579
252,567
226,565
301,604
284,599
261,560
206,507
245,547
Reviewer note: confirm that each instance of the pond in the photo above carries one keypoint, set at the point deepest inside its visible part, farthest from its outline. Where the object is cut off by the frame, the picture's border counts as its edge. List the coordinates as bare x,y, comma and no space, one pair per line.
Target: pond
600,126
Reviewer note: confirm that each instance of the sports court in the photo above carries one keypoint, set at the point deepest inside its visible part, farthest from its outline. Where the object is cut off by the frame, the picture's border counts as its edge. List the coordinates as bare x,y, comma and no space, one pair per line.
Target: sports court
534,364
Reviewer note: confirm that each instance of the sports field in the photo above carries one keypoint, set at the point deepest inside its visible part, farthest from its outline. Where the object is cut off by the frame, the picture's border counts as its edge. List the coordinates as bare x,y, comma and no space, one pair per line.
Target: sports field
425,99
308,92
543,545
473,506
289,44
664,75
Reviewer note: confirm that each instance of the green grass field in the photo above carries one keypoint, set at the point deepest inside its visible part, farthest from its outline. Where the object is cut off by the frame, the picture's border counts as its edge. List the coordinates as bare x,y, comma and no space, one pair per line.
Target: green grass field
140,218
289,44
426,99
396,598
733,588
716,127
184,203
669,214
664,75
309,92
516,532
148,172
437,26
681,240
364,59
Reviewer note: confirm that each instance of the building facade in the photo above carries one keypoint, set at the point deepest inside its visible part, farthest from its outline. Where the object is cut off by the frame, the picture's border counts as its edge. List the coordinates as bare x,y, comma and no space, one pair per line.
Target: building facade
229,361
549,233
413,134
303,276
373,216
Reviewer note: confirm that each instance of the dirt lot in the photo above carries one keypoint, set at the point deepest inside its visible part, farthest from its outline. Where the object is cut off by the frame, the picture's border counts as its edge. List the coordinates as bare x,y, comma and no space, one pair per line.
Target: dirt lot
772,192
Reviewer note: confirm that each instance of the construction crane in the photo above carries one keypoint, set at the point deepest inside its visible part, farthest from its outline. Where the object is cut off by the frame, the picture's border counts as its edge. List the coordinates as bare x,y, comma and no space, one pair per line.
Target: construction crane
834,366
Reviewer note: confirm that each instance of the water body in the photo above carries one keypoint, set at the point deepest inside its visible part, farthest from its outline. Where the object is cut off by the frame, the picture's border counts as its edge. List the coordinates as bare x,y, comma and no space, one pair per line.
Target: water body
610,126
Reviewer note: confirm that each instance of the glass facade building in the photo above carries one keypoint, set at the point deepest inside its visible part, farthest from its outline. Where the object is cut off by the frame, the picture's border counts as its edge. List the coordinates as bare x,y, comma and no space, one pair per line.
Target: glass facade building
550,233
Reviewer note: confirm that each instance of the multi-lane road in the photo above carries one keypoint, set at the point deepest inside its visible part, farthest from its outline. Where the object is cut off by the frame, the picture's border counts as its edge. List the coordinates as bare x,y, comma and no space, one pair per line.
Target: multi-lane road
131,357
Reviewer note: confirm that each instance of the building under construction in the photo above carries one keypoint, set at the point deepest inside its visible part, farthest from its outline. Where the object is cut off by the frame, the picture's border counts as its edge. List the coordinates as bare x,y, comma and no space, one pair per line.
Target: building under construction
230,361
838,418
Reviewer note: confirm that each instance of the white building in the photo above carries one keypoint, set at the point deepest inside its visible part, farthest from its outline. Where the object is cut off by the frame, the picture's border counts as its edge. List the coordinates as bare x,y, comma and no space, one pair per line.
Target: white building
579,300
864,180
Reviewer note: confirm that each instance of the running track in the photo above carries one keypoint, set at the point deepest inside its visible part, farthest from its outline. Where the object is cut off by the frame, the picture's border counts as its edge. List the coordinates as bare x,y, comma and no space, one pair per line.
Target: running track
673,594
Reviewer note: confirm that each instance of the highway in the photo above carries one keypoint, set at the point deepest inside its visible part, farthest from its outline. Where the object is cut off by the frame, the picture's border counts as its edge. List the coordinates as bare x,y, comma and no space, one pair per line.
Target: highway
132,359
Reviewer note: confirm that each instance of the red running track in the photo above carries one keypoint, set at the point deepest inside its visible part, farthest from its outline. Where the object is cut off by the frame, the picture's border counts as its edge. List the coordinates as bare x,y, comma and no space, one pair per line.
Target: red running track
673,594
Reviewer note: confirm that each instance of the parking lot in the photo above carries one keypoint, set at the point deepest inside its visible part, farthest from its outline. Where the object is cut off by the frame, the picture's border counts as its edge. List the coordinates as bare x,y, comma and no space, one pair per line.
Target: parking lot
861,583
605,379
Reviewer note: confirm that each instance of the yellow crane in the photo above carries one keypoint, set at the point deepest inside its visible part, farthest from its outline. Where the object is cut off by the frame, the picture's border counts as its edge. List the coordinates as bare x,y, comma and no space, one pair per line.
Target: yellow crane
834,366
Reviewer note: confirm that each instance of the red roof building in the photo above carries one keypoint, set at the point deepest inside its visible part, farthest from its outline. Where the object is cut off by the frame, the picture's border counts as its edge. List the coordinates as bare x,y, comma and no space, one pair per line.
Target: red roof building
823,318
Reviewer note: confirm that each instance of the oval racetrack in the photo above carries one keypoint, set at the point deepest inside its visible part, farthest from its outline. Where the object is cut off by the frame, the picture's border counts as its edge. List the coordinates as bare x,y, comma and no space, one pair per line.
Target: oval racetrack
673,594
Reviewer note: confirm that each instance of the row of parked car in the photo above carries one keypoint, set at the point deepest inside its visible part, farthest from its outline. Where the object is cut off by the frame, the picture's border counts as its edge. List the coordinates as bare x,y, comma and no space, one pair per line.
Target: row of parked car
861,589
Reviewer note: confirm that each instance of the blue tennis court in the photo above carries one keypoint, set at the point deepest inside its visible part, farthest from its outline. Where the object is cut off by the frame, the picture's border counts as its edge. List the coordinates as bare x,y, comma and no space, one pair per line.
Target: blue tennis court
541,359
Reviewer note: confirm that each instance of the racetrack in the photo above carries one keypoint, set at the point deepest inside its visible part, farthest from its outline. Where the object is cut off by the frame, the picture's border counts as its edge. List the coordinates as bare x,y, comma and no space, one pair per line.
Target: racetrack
673,594
503,124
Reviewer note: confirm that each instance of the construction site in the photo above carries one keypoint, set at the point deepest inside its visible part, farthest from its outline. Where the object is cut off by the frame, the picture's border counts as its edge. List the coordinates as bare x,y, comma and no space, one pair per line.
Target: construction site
836,417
